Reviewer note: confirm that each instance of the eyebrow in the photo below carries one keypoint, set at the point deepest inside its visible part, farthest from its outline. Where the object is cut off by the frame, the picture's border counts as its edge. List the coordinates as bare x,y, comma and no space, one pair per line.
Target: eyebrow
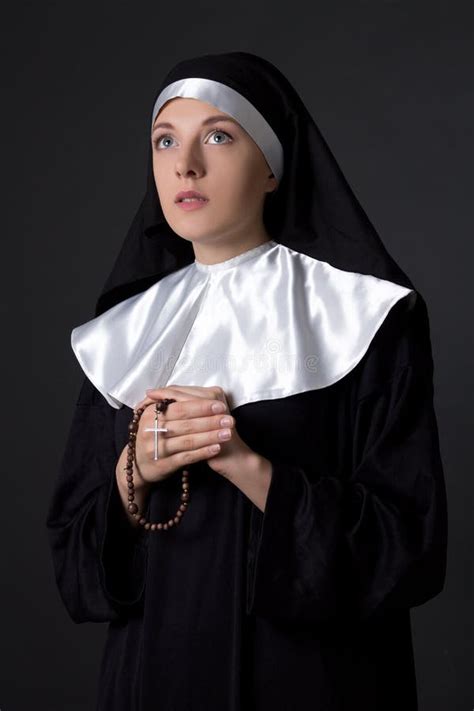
206,122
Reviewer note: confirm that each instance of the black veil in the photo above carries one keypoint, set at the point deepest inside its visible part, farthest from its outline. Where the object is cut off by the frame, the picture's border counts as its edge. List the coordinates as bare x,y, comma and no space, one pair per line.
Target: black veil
313,210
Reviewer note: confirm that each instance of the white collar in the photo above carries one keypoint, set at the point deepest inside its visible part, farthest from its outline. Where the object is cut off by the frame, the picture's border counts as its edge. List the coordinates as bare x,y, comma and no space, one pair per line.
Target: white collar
268,323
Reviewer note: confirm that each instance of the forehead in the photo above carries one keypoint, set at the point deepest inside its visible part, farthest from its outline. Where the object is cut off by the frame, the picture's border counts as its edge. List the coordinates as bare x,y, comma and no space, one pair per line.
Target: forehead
186,111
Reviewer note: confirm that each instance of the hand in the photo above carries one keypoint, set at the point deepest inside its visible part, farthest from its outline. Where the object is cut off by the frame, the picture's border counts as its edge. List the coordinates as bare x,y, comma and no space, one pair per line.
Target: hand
192,428
200,430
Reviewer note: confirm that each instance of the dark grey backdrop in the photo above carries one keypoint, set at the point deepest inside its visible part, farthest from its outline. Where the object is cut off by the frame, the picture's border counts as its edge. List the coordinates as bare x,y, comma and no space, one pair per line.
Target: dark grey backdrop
390,86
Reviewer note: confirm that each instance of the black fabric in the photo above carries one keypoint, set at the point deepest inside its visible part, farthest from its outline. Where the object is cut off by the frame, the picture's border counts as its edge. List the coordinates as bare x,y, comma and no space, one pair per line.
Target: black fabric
313,210
84,490
306,605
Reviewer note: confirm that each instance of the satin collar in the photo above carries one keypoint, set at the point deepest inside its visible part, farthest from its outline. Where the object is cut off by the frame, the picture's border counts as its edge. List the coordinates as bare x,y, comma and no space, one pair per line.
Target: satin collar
268,323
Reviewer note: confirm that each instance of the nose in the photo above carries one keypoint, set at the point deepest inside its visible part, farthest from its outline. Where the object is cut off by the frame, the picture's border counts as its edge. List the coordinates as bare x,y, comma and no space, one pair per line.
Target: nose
189,163
183,172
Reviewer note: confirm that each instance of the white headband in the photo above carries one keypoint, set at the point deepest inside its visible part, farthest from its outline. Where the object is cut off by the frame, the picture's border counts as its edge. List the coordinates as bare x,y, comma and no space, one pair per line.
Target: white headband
231,102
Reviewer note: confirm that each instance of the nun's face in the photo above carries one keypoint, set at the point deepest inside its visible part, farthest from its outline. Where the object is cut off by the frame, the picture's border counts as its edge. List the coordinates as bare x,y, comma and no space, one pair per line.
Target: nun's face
216,158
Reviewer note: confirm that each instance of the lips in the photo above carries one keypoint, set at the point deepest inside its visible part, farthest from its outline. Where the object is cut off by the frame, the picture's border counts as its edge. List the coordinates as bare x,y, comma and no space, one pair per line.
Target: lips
189,194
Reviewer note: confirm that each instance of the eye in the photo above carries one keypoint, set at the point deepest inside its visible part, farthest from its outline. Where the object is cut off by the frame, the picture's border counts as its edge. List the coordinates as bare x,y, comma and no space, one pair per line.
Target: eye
224,133
162,136
158,139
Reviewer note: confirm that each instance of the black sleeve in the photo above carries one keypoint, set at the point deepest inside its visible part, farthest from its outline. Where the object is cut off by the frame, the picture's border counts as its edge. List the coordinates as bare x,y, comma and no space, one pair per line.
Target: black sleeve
329,549
99,558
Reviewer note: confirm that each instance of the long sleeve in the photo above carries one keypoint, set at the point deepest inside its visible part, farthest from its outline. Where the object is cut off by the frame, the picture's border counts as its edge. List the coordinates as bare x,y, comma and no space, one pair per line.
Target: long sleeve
99,558
330,548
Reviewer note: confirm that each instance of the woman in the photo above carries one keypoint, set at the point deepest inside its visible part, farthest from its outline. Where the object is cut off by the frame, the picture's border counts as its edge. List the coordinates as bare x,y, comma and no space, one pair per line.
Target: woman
288,577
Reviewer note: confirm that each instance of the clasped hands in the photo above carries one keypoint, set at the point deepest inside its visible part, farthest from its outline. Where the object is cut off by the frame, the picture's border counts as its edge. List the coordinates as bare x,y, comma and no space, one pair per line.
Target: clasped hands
193,428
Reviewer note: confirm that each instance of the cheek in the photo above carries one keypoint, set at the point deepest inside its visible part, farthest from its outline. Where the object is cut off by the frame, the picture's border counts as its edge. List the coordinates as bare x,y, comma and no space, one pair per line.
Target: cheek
247,189
236,180
159,175
162,184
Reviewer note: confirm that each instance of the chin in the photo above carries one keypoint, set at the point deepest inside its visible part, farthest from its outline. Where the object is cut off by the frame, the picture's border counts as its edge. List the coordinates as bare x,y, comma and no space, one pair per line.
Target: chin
196,233
189,234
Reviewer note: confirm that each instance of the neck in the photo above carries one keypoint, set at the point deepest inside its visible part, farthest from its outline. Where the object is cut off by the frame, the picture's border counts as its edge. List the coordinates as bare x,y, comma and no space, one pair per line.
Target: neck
220,249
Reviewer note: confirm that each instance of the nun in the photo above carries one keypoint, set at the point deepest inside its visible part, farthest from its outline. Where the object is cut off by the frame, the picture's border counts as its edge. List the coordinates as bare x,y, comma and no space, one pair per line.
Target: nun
254,310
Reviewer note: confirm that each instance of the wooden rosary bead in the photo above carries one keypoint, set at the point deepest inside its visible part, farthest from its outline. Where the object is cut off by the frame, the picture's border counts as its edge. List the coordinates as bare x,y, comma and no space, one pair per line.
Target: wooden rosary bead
131,460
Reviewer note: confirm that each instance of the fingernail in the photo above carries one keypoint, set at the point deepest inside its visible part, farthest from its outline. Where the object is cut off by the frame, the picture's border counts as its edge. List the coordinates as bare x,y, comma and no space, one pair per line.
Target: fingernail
225,421
218,407
215,447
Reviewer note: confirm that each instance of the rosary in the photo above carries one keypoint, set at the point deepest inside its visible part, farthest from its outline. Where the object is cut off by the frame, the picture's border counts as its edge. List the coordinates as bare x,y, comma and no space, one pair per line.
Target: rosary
160,406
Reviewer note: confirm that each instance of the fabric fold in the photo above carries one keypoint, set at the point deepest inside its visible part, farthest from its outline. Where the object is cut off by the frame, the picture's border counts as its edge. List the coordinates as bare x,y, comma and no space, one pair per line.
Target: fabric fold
99,558
331,548
123,554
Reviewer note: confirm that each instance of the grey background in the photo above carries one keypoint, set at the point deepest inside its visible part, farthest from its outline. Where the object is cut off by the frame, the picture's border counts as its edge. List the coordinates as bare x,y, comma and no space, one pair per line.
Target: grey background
390,87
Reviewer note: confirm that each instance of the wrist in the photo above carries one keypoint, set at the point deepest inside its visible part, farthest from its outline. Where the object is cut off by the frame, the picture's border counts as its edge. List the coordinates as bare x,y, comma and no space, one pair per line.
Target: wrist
139,483
253,475
257,465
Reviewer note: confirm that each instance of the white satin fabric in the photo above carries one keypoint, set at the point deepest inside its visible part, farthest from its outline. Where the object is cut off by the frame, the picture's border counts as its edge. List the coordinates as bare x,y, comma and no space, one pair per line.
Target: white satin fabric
268,323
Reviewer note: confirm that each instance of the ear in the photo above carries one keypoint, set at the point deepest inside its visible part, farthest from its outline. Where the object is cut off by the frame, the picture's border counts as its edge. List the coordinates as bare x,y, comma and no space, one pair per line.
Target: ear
271,184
